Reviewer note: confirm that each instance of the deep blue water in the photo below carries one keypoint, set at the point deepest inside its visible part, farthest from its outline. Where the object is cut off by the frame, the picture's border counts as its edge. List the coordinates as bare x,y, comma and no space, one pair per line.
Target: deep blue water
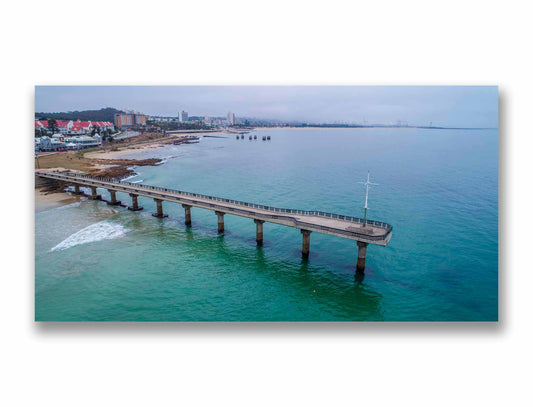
438,188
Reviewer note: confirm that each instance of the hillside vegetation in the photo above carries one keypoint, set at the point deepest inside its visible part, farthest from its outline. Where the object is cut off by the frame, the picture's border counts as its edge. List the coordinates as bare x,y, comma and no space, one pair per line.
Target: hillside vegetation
107,114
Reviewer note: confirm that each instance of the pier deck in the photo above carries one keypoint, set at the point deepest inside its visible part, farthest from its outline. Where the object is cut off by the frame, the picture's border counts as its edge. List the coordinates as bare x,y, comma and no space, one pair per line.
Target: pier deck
348,227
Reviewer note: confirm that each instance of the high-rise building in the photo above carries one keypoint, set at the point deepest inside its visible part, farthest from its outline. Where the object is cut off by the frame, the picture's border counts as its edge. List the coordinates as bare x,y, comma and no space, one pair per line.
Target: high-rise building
140,119
183,116
231,118
123,120
130,119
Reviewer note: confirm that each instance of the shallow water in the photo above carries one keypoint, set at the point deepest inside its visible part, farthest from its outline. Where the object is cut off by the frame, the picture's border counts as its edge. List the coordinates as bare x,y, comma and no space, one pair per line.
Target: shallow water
438,188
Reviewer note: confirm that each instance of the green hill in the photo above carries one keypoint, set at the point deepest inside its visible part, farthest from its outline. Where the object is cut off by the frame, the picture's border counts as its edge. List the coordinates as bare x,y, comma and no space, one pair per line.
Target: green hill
106,114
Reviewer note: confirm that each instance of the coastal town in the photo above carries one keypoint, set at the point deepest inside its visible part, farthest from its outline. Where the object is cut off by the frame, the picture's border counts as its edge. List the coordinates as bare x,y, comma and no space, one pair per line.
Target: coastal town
65,132
70,135
56,135
95,147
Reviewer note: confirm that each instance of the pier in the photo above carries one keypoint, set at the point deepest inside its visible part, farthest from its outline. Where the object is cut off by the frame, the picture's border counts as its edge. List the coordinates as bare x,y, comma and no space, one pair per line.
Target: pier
362,231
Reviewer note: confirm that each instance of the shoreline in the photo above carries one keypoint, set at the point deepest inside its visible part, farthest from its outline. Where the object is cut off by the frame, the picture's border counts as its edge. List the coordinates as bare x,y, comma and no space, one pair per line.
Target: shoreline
119,152
104,162
45,200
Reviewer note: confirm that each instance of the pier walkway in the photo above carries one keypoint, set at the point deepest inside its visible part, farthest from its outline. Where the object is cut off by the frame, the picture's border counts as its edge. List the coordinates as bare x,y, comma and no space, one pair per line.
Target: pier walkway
348,227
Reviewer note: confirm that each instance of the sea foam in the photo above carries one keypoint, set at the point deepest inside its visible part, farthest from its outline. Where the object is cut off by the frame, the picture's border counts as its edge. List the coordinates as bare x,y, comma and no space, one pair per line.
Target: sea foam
136,174
92,233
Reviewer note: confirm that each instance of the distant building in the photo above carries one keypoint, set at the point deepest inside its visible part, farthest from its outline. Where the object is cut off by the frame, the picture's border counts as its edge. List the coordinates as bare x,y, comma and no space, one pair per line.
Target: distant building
231,118
60,143
71,127
140,119
160,119
85,142
45,144
130,119
123,120
183,116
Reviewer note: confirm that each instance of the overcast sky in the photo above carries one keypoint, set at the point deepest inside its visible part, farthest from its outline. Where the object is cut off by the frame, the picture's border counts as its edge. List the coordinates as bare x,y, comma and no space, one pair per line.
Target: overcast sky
419,105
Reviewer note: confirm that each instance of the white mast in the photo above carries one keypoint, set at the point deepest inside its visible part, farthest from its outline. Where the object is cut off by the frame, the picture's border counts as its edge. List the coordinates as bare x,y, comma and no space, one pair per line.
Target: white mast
367,183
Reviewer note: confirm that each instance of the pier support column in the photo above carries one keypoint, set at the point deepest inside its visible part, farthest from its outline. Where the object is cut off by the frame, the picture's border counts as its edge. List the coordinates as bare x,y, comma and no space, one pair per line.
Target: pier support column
77,189
94,194
361,257
259,231
113,198
187,214
220,221
306,239
61,185
134,203
159,214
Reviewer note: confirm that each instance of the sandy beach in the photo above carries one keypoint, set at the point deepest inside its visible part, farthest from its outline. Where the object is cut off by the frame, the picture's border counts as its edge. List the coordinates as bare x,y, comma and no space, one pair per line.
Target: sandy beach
112,154
118,152
103,163
47,200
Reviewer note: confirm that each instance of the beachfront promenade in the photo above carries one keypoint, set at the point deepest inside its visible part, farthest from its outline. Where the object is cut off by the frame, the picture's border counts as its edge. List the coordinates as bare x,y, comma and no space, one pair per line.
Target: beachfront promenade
348,227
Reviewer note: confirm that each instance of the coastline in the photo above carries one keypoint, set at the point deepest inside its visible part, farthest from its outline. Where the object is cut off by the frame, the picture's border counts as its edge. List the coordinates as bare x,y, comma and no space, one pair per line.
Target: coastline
118,152
45,200
103,162
114,154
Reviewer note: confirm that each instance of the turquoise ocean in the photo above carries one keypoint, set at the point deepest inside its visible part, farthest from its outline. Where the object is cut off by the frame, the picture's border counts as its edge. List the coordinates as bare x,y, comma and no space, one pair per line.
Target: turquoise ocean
437,188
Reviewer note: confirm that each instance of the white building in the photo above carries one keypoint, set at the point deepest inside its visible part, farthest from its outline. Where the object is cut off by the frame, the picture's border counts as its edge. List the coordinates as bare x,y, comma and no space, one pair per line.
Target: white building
57,144
84,142
184,116
45,143
231,118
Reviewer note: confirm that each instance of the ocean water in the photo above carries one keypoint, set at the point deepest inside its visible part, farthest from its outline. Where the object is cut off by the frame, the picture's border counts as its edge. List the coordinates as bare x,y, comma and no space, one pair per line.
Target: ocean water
438,188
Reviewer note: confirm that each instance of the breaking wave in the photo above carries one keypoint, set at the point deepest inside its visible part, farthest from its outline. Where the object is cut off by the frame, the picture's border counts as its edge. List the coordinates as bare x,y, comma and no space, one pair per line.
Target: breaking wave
136,174
93,233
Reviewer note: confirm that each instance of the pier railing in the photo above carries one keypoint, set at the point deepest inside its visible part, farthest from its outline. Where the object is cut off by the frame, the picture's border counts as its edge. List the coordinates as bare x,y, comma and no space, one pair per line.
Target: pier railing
235,202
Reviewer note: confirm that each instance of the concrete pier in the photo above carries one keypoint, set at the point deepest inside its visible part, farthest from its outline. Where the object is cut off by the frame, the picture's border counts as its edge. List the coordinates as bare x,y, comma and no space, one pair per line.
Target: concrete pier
113,201
77,189
306,240
159,214
187,214
259,231
94,194
134,203
361,257
361,230
220,221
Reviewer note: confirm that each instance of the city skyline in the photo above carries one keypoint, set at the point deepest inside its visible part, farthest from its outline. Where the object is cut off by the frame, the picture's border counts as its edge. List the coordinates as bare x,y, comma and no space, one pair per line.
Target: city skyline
455,106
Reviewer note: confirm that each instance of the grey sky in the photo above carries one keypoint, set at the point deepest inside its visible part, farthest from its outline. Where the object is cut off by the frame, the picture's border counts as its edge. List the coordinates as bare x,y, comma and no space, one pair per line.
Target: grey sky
458,106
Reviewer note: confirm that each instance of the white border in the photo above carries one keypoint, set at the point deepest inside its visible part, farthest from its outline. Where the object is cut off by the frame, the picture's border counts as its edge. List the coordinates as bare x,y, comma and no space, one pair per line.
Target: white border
237,42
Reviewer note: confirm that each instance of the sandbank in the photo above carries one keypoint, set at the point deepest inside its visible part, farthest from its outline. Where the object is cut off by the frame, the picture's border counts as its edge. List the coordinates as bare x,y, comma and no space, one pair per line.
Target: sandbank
50,200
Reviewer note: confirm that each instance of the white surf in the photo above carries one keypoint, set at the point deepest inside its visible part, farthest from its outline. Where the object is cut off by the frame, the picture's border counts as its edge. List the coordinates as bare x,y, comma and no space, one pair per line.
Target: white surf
92,233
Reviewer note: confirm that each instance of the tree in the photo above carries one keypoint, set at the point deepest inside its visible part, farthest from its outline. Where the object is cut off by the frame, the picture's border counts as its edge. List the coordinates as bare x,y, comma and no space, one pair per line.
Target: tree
52,125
